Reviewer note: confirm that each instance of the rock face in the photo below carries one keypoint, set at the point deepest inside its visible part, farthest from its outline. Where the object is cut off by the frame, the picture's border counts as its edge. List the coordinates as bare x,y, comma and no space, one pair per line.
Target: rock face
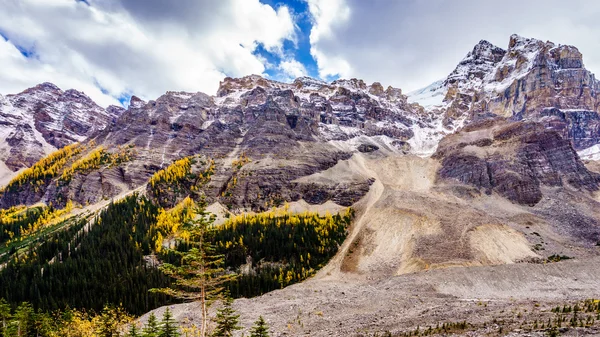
283,129
41,119
513,159
532,80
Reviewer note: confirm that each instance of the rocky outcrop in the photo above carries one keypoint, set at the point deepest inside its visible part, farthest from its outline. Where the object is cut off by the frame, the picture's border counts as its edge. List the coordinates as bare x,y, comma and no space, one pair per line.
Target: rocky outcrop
513,159
41,119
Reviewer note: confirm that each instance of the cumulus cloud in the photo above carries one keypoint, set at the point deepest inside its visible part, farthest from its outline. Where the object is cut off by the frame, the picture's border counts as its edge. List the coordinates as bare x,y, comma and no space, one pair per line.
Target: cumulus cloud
291,69
412,43
330,17
144,47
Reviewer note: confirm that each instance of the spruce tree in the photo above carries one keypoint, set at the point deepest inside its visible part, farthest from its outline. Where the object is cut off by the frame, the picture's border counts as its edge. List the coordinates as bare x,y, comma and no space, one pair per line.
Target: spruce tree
23,318
168,326
109,323
152,328
43,324
200,275
260,328
133,331
227,320
4,316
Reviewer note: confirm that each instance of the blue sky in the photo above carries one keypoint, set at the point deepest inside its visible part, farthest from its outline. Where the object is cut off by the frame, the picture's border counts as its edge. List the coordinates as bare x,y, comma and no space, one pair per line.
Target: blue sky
300,50
112,49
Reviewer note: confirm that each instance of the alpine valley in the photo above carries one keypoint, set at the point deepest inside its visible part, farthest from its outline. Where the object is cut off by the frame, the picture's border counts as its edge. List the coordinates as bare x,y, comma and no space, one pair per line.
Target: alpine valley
469,207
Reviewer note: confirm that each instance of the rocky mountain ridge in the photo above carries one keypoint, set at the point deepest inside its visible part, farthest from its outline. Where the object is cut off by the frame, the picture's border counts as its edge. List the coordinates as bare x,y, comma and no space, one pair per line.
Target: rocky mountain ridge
531,80
291,130
41,119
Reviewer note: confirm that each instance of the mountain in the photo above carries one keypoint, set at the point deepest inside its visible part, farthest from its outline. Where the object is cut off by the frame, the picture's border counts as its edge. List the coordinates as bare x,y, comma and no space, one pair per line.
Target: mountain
41,119
484,172
289,130
531,80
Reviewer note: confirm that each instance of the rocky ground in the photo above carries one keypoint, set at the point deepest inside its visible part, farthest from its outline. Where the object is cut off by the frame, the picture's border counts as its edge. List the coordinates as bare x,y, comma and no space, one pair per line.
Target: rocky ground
492,300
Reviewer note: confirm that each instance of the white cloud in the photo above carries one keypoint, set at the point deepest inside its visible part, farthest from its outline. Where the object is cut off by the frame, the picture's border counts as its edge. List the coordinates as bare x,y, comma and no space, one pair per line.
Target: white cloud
143,47
291,69
19,73
410,44
328,15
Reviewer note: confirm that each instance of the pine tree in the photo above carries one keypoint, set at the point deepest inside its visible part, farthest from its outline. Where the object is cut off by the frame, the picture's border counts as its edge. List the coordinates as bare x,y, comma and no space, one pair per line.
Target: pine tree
43,324
4,316
152,328
260,328
109,323
227,320
168,326
23,318
200,275
133,331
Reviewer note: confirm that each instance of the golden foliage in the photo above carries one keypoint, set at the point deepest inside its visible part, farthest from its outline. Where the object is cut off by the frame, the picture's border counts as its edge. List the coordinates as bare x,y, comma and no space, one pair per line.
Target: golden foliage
172,173
54,164
323,224
95,159
179,177
241,161
81,324
169,221
47,167
13,214
91,161
47,218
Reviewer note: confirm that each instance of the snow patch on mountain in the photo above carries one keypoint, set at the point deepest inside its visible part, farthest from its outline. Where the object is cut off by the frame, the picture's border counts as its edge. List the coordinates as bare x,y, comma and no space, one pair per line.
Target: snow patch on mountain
431,96
591,153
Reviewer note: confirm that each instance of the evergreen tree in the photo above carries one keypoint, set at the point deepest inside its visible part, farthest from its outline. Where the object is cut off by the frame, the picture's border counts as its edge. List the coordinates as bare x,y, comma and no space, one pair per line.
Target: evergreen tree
168,326
133,331
200,275
227,320
43,324
4,316
109,323
23,319
152,328
260,328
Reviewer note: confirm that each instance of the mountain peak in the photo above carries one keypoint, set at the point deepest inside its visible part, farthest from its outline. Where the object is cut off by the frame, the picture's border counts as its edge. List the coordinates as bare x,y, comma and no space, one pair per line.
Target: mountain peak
518,41
136,102
484,51
309,83
229,85
46,86
477,63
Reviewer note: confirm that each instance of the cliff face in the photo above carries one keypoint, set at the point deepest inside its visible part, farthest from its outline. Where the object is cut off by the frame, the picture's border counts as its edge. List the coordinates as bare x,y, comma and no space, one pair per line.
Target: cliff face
292,130
513,159
531,80
286,130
